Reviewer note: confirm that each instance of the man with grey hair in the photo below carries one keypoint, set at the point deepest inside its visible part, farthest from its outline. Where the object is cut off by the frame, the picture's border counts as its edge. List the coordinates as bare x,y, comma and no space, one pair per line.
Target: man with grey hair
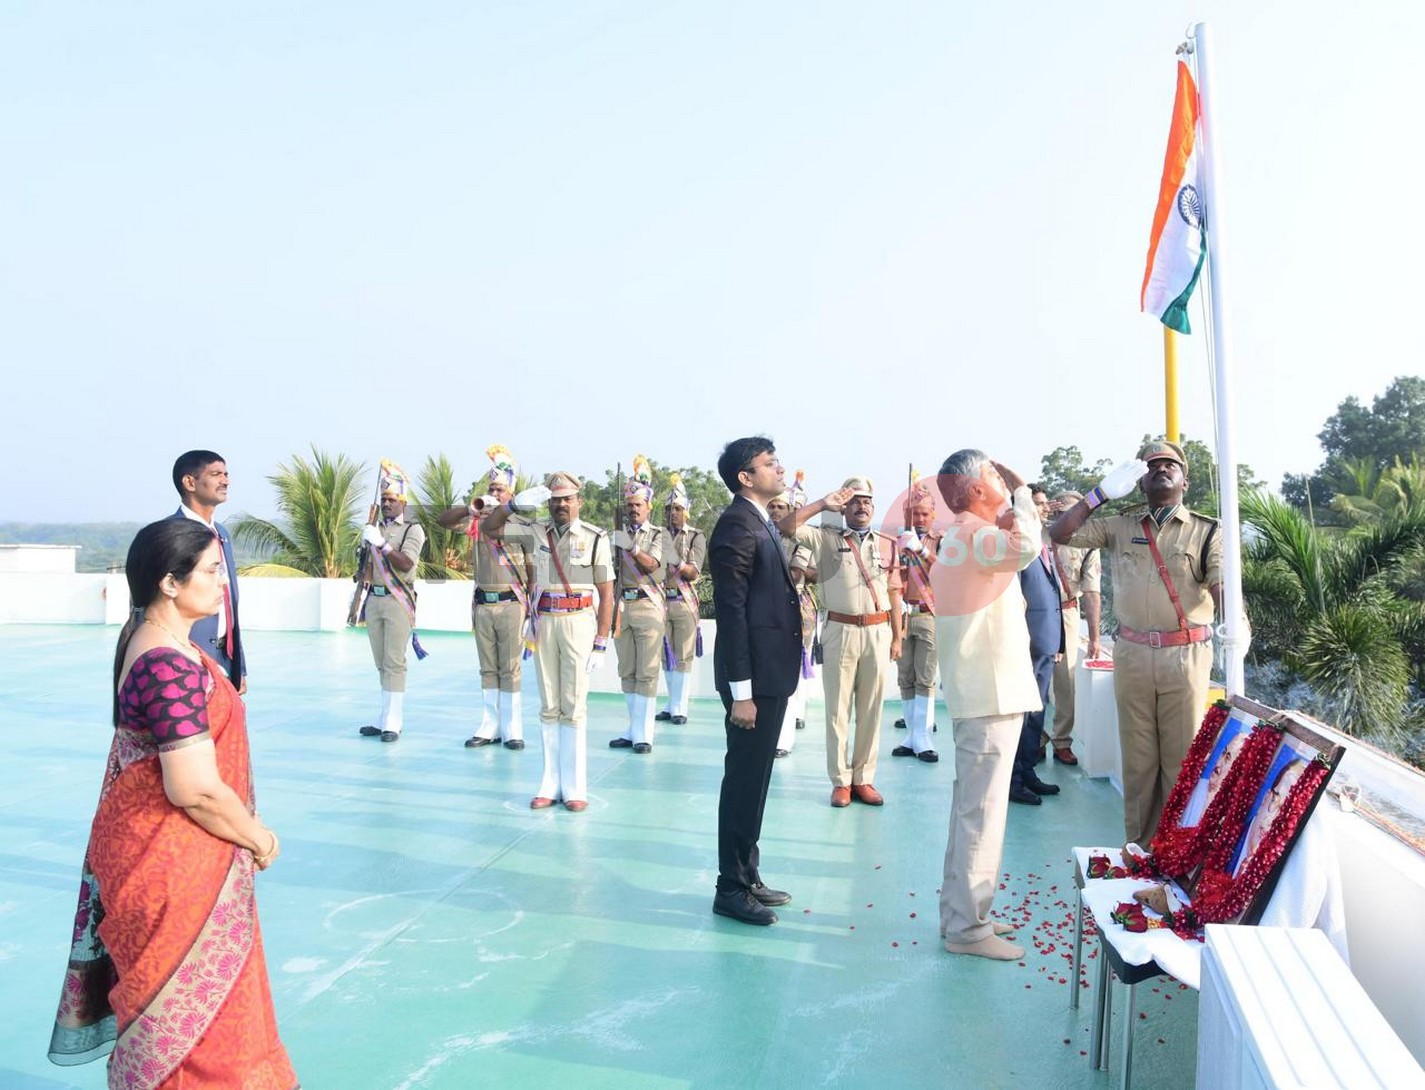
983,644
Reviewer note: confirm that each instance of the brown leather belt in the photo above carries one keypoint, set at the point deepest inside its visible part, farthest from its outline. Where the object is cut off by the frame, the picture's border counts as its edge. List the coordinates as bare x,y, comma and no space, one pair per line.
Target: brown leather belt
860,620
1069,603
1180,638
564,603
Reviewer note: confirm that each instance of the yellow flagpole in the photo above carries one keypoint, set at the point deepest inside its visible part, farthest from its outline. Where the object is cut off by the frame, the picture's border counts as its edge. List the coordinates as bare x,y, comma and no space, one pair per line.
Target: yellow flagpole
1170,383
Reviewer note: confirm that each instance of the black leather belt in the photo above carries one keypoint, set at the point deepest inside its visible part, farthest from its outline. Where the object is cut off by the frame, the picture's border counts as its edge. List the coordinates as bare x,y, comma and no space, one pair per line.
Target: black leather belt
490,597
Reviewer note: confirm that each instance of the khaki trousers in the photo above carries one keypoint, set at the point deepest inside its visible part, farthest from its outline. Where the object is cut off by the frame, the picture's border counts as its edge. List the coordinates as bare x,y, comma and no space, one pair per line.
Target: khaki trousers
1162,696
1063,733
984,758
561,658
388,627
639,646
853,673
916,669
499,642
682,635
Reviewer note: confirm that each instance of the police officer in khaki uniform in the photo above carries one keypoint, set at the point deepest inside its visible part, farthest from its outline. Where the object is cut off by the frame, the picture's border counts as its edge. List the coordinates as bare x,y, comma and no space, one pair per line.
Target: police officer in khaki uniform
918,666
1080,576
803,571
638,569
499,608
393,548
859,575
1163,654
573,572
685,553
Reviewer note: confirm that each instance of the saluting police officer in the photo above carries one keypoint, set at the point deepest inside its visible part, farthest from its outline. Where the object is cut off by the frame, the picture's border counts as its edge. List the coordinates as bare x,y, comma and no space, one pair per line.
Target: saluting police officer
860,581
918,665
573,571
503,575
638,639
1167,583
803,571
685,552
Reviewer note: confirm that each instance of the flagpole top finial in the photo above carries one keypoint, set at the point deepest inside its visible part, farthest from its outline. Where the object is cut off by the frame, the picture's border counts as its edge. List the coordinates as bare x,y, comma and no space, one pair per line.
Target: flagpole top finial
1185,49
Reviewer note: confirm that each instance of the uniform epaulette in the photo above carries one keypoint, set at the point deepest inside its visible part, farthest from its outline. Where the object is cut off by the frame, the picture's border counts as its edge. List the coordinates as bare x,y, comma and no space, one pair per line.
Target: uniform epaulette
1205,518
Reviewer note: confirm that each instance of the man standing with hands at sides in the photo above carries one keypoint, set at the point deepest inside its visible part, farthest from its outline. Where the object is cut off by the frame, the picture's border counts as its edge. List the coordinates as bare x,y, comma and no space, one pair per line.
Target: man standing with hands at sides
756,663
983,642
1167,584
201,477
500,607
394,549
1080,578
574,565
638,549
860,580
685,552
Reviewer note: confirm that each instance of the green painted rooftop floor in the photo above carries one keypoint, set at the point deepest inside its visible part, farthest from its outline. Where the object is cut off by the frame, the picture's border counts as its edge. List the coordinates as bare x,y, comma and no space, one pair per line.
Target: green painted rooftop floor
425,929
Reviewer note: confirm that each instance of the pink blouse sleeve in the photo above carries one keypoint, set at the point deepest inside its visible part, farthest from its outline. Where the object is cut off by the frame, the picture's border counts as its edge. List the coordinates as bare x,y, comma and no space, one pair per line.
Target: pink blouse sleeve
166,692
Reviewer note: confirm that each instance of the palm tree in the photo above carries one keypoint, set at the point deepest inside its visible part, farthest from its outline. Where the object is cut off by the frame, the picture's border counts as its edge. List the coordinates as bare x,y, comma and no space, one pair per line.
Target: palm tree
318,503
447,551
1331,609
1372,494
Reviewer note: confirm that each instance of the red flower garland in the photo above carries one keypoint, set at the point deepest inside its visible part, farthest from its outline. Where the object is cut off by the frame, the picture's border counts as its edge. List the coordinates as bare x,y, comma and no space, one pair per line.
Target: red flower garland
1219,896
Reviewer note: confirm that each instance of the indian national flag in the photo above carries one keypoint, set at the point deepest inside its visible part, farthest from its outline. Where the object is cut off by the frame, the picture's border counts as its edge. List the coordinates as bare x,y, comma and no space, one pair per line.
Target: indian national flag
1179,243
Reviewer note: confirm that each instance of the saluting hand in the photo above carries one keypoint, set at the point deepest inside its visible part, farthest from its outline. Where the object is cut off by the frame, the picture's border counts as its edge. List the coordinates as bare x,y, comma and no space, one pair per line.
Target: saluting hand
835,501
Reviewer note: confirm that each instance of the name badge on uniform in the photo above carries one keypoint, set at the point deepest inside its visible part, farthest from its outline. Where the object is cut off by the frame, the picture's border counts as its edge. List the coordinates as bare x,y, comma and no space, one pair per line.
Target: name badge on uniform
1140,541
843,549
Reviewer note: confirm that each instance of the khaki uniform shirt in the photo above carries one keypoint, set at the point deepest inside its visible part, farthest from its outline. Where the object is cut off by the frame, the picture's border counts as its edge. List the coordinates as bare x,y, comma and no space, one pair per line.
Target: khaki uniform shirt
513,541
585,554
1140,599
843,588
688,546
646,539
1079,571
917,568
406,537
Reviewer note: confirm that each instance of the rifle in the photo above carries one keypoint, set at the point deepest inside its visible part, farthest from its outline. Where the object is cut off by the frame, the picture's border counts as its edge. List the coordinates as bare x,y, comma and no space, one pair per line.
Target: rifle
363,553
618,553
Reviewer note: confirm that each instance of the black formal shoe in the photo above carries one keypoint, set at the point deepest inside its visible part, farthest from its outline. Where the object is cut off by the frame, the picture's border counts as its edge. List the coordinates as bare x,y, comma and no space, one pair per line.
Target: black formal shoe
929,756
477,742
369,731
620,743
741,905
934,728
1039,787
801,724
642,747
1019,793
514,743
782,753
679,720
902,751
770,897
390,736
900,724
664,716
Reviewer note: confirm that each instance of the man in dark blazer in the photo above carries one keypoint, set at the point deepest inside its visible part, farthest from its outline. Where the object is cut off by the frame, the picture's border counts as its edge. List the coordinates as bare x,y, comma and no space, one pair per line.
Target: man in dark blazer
756,666
201,477
1043,613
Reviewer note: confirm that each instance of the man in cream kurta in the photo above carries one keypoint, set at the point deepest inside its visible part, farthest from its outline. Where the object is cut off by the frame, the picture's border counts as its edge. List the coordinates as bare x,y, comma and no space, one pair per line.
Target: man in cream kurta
983,645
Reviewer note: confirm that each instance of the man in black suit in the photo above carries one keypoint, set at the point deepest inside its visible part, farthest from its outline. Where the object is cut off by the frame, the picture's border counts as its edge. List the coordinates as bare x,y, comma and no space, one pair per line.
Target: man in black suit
756,665
1043,613
201,477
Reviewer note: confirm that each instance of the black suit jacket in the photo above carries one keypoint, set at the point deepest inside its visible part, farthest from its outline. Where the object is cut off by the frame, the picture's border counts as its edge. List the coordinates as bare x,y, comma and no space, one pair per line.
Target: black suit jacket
1043,611
759,623
205,629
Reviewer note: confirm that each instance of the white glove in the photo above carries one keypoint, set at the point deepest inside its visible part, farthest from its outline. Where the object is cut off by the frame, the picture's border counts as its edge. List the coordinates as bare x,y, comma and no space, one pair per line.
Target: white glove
909,541
372,537
622,540
596,658
1123,480
531,498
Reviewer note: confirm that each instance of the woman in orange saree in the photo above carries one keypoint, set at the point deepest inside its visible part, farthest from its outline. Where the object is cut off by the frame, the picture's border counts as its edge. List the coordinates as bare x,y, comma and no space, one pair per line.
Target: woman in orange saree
166,970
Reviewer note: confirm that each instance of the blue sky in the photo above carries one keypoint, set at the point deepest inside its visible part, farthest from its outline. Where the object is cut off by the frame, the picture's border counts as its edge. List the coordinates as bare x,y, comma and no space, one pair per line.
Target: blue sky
589,230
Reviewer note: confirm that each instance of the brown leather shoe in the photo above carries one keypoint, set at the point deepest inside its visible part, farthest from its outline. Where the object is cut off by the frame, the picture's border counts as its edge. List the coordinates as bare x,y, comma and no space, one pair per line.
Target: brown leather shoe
1065,756
865,792
539,802
575,805
841,796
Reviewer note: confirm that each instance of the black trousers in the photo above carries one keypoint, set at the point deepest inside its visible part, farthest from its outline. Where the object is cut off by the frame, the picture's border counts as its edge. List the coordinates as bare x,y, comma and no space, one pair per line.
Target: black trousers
1028,751
747,770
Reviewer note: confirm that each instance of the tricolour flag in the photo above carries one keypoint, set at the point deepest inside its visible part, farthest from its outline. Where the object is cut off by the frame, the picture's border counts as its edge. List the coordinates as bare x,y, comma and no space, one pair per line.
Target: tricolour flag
1179,243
